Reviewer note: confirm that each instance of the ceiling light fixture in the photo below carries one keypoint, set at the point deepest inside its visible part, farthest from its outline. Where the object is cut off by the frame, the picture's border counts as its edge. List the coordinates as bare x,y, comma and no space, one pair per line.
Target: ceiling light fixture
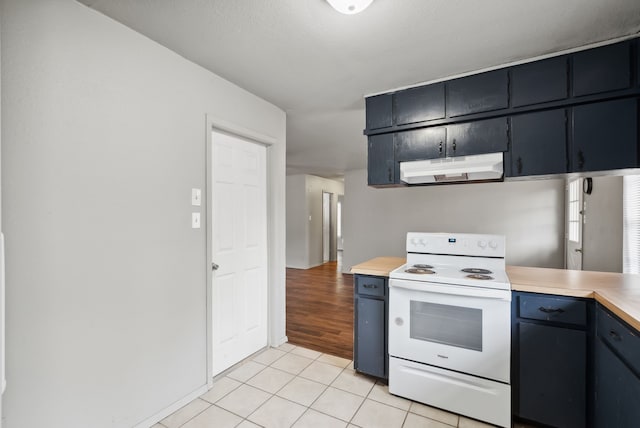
349,7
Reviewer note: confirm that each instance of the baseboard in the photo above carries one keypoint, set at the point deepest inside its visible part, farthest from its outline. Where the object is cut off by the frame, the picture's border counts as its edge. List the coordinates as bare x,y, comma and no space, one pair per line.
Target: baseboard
149,422
283,339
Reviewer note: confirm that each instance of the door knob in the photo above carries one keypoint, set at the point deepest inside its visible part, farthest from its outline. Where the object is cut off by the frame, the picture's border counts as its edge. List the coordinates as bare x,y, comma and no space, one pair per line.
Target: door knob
214,266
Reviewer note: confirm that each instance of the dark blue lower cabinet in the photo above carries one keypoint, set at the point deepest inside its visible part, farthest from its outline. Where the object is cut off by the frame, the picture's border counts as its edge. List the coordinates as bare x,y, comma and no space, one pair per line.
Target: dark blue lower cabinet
617,373
370,350
553,375
617,391
551,359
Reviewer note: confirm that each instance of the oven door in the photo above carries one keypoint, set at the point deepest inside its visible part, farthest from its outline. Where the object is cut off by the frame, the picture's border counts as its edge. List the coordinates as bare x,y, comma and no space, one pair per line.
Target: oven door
466,329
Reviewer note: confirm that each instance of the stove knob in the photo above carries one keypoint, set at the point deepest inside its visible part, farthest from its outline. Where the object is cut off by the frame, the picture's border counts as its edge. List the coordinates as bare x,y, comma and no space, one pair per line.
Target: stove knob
413,241
482,244
421,242
493,244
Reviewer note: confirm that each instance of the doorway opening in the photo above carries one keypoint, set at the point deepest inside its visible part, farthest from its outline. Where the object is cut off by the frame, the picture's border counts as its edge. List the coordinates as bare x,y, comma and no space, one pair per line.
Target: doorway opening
326,227
574,224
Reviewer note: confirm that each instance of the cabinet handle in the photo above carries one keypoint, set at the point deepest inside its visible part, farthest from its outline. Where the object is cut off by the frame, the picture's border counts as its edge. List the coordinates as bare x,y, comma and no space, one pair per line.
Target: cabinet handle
454,144
550,310
615,336
519,165
580,159
389,172
440,147
369,286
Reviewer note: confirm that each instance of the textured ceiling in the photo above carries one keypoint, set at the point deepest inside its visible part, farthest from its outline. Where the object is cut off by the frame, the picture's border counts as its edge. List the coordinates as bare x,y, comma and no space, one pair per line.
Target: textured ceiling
317,64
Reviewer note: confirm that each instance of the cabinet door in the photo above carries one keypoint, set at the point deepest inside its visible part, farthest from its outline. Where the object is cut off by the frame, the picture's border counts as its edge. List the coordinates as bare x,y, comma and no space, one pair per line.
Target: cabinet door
370,334
418,144
478,93
621,338
379,111
539,143
419,104
637,62
552,371
617,391
605,136
380,160
539,82
602,69
473,138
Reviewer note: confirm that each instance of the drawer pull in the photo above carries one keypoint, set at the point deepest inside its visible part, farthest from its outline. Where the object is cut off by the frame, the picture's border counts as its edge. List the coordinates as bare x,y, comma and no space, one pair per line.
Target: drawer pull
369,286
615,336
550,310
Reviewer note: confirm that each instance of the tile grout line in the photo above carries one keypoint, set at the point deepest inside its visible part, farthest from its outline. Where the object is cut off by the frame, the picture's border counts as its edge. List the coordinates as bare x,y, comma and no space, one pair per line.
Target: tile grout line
326,386
297,376
202,411
274,394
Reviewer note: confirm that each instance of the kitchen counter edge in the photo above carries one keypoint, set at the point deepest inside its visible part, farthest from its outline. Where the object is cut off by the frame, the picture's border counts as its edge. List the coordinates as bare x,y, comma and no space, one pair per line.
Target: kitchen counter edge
620,293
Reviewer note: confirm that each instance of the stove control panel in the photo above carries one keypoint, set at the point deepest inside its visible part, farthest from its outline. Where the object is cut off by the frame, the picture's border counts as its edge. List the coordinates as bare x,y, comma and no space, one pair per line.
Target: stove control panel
460,244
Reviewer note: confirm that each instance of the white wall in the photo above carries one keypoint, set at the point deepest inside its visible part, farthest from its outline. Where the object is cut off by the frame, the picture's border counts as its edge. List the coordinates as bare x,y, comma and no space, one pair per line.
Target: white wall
529,213
304,219
103,138
603,226
297,222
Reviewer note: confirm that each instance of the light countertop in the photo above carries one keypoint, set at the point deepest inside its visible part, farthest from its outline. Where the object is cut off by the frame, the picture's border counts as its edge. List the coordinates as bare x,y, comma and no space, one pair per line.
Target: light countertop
620,293
380,266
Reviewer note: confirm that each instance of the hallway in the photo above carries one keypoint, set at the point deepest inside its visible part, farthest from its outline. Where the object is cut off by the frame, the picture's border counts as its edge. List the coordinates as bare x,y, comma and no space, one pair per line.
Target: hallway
320,309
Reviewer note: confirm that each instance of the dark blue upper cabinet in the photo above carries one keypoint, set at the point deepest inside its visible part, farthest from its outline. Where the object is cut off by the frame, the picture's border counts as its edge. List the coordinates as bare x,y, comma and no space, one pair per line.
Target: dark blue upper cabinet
602,69
605,136
481,92
474,138
539,143
419,104
380,163
379,110
539,82
420,144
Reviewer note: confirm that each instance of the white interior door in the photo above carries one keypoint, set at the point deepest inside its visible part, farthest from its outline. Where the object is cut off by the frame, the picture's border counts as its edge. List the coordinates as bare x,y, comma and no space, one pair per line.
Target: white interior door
575,213
239,249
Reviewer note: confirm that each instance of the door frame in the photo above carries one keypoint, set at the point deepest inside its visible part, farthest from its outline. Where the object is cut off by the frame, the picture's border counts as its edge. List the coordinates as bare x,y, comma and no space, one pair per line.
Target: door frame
567,215
220,125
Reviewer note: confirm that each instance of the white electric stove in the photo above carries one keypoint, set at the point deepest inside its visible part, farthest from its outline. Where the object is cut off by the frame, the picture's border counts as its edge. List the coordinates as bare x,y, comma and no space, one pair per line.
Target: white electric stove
449,325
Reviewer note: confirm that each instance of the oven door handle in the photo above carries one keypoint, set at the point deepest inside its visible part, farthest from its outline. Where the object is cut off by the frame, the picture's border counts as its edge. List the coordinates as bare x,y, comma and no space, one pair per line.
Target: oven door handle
450,289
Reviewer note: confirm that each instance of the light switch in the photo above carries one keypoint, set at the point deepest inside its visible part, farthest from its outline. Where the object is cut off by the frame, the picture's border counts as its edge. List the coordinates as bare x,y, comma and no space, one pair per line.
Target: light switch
196,197
195,220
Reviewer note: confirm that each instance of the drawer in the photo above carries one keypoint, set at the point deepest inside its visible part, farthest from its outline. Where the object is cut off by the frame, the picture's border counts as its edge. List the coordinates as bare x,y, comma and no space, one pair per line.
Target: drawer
370,285
621,338
553,309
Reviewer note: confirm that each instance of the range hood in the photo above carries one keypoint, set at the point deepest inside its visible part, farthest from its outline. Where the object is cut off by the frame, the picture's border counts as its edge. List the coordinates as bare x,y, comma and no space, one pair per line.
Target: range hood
453,170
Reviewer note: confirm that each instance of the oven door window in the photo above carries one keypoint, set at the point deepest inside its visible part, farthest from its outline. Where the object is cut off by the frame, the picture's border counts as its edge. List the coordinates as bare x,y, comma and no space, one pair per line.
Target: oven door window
449,325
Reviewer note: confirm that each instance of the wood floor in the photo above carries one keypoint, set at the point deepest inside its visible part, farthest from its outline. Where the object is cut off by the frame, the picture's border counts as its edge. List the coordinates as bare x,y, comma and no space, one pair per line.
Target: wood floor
320,309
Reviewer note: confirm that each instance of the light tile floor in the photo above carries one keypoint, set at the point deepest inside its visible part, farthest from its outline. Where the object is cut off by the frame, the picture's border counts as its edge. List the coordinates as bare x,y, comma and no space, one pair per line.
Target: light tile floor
296,387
